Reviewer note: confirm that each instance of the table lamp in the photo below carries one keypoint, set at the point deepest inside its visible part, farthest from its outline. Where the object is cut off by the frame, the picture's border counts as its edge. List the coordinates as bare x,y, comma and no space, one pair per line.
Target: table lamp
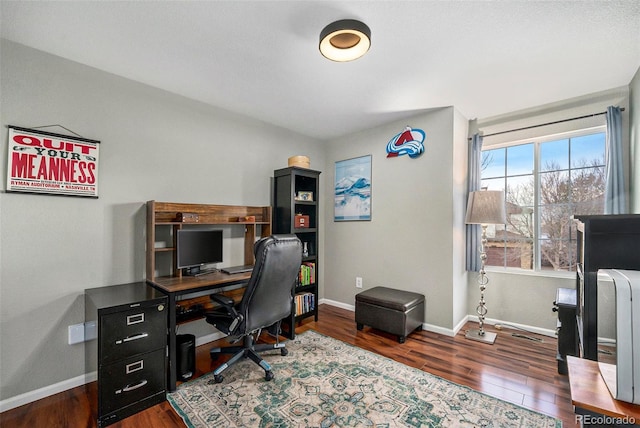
484,207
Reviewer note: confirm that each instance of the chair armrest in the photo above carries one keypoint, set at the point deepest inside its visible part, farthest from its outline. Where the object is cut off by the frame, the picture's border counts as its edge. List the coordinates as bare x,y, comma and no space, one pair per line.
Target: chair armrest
229,305
222,300
232,314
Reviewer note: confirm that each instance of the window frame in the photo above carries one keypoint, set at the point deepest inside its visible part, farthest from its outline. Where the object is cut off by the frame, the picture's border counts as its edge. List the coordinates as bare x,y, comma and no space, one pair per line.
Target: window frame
537,141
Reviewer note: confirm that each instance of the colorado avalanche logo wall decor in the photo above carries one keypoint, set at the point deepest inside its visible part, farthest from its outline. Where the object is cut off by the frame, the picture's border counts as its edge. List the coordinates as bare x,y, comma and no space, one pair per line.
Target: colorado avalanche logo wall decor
408,142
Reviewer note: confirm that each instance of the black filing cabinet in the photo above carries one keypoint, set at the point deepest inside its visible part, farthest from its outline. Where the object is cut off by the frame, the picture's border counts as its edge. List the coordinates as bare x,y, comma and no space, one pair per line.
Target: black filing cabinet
566,328
129,322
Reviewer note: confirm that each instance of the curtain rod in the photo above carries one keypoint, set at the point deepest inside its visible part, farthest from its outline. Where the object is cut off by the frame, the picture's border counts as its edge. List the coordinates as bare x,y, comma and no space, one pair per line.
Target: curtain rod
546,124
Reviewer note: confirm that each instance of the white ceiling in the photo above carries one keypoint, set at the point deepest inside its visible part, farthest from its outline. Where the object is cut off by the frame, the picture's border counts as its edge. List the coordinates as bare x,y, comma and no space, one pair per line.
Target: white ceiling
261,59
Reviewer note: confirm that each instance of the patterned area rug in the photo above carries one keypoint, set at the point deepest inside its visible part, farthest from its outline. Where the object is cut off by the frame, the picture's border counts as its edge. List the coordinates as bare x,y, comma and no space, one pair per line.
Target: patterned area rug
324,382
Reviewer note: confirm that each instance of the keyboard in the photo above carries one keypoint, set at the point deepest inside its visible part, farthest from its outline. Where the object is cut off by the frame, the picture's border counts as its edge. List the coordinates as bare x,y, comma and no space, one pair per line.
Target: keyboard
237,269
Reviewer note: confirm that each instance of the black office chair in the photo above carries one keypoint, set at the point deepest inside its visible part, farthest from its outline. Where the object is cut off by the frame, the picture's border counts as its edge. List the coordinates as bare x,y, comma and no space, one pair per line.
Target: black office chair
267,299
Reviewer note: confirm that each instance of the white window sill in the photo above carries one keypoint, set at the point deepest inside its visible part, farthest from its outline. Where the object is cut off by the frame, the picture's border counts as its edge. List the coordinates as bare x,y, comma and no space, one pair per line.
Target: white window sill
526,272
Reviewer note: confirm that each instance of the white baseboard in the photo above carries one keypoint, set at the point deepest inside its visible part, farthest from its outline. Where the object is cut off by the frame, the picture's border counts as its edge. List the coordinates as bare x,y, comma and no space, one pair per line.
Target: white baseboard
437,329
338,304
31,396
425,326
38,394
490,321
461,324
524,327
452,332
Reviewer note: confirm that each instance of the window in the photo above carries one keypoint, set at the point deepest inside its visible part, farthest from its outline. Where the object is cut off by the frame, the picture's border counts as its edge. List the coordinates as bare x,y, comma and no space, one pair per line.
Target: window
545,182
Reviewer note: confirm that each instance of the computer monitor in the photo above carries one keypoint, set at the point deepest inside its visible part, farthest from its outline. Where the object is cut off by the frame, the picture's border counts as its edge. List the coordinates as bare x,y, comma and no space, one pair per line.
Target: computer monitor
197,247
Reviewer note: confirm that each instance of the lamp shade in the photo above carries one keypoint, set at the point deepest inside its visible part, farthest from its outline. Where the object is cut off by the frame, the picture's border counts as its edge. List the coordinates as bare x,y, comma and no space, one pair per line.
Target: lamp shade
486,207
345,40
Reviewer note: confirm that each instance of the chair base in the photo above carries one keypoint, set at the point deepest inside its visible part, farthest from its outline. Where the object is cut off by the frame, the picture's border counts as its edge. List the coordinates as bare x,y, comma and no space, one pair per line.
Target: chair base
248,350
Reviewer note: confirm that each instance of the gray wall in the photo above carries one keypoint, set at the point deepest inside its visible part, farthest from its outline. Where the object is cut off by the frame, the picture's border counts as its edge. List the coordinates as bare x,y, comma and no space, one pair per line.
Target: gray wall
154,145
413,239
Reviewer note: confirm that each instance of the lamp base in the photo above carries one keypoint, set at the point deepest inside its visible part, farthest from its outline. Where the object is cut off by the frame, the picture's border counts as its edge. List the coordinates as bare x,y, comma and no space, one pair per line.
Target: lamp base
487,337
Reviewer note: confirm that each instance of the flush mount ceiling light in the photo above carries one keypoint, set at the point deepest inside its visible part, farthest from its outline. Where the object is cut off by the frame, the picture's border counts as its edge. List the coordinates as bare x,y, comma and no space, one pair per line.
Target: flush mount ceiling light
345,40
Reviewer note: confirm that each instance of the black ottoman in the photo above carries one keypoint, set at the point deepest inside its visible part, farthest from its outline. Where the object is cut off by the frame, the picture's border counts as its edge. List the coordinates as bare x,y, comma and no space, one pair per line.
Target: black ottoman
394,311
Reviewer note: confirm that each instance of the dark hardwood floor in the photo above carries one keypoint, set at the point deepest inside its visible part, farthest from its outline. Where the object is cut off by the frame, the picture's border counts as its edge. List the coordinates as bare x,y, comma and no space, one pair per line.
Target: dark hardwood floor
518,370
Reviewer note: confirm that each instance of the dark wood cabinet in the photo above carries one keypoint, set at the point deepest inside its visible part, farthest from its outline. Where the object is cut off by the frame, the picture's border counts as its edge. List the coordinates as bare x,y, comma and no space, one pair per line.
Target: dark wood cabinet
129,351
566,329
603,242
296,210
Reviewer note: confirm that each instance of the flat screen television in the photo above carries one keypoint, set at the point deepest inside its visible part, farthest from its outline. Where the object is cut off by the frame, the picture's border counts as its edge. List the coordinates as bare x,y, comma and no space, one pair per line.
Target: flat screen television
197,248
619,356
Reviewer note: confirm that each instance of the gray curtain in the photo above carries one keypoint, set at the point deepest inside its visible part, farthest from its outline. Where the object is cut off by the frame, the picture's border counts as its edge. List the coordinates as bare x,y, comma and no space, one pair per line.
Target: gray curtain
473,184
615,195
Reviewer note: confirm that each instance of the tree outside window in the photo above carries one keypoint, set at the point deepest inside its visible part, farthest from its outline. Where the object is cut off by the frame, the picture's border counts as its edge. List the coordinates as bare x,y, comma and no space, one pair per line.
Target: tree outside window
545,184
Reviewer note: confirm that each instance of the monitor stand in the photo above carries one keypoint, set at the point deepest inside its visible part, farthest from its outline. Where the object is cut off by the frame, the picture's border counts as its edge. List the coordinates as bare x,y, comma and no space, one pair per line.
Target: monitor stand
198,271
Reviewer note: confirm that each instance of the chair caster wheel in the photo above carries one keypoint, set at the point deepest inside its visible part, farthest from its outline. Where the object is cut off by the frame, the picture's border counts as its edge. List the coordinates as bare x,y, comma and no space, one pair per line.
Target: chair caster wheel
284,352
218,378
268,375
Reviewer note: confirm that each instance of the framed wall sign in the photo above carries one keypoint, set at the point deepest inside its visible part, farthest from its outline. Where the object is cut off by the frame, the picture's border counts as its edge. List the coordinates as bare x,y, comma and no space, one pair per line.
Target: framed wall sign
352,189
44,162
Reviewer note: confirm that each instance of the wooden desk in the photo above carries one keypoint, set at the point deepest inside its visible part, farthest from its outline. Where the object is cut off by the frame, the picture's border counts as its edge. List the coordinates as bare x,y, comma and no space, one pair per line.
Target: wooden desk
173,287
591,397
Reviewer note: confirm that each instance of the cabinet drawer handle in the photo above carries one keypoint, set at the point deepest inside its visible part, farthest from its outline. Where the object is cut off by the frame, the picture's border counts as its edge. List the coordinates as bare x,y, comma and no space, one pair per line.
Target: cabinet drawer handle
134,367
133,387
131,338
135,319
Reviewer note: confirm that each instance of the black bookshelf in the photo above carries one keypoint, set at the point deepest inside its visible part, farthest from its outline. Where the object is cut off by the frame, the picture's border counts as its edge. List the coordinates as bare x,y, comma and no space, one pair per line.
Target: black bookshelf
295,193
603,242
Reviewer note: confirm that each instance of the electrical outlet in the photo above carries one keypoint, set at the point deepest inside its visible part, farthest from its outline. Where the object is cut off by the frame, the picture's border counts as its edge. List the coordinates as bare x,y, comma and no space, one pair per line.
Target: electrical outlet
90,331
358,282
76,334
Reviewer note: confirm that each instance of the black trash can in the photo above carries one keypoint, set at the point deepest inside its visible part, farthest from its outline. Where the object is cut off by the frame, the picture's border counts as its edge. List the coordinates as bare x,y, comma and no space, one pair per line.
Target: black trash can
186,356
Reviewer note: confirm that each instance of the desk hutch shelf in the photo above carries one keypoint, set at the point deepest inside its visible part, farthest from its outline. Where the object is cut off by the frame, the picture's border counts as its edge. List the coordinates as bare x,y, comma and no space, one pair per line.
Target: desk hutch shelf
162,224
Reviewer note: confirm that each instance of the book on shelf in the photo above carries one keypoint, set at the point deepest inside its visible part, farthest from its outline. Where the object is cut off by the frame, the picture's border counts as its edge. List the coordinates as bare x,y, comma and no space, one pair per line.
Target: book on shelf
307,274
305,302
